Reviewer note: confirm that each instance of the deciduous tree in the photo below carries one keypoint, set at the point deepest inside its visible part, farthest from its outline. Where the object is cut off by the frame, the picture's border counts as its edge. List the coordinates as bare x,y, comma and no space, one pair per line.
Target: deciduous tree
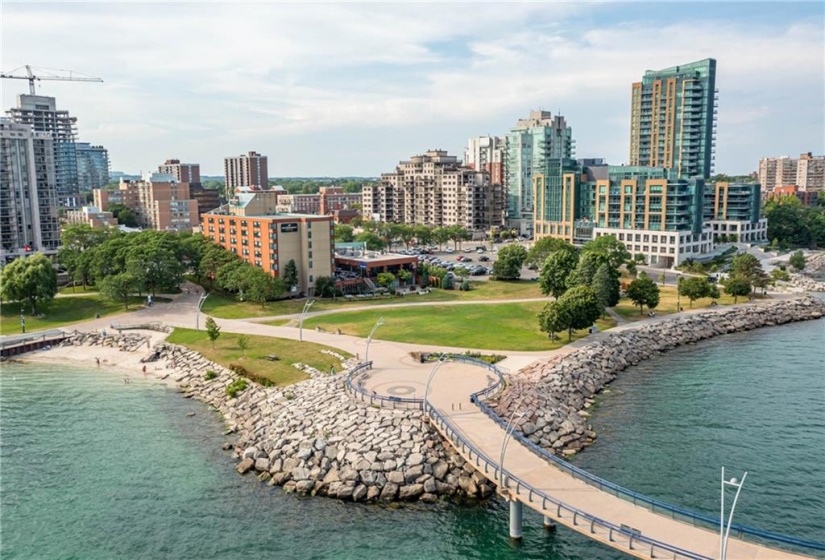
119,287
30,279
643,292
694,287
213,331
555,270
737,286
509,263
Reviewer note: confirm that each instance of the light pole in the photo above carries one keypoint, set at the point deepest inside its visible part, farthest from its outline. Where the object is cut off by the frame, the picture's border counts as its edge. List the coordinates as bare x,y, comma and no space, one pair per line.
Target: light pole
678,293
723,532
198,313
441,360
369,338
307,305
508,432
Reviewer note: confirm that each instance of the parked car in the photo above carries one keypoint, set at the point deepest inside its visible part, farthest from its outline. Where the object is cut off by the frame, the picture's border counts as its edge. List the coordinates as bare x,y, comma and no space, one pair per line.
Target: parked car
483,258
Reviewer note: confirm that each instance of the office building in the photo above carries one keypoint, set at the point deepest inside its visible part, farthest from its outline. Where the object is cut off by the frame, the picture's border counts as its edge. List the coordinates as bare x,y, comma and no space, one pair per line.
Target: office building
486,153
673,119
434,189
28,196
182,172
732,210
40,112
92,166
207,199
270,241
534,147
249,170
158,201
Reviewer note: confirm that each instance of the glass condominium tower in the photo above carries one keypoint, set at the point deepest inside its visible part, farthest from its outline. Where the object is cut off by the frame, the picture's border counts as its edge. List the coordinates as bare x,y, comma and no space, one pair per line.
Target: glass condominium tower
673,119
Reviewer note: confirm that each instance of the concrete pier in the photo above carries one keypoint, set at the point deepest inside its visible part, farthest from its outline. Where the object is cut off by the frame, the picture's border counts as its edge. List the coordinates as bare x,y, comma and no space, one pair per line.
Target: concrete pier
516,519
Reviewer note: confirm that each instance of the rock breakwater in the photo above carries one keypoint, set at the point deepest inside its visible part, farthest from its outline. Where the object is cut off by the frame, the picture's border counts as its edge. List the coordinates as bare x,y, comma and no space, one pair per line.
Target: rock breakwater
555,393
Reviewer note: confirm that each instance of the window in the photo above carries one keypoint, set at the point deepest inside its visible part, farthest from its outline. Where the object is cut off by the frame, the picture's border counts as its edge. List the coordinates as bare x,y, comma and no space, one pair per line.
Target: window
310,264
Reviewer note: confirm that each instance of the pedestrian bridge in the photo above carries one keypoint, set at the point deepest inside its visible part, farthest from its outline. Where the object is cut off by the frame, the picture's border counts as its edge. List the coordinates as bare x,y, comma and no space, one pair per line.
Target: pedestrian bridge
564,494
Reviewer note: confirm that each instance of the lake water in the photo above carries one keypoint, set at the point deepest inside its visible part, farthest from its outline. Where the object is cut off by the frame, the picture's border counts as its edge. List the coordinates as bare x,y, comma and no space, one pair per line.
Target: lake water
93,468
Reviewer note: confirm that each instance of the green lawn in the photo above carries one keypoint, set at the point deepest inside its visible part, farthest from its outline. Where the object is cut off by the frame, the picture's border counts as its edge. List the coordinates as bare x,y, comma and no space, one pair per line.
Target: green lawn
78,290
281,372
667,304
60,312
508,326
228,307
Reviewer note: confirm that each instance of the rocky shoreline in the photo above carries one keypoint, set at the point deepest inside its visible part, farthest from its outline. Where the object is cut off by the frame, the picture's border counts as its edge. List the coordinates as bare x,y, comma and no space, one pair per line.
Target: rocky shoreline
312,438
555,393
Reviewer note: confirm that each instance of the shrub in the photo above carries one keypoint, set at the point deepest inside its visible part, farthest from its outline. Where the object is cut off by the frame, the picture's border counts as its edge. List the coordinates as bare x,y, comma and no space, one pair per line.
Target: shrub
236,387
210,374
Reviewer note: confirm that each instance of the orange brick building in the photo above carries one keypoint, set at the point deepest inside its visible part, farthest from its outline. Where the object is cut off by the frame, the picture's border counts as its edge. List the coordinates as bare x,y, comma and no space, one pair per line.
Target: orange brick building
271,241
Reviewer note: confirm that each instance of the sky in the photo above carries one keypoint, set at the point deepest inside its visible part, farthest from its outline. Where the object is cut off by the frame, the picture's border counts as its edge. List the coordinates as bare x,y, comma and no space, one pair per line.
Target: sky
350,89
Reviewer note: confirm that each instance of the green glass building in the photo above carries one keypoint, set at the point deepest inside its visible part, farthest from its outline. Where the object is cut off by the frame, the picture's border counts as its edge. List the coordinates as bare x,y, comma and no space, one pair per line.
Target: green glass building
673,119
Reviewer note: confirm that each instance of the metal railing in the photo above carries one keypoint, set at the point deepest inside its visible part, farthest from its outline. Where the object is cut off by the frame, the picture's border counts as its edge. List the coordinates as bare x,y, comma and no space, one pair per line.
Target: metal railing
358,391
41,336
636,497
148,326
356,387
537,498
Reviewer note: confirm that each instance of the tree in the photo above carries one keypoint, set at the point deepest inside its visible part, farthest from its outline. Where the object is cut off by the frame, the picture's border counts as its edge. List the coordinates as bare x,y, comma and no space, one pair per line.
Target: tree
290,275
509,263
155,268
545,247
585,270
78,242
243,343
798,260
607,286
737,286
555,270
578,308
125,215
213,331
457,234
441,235
119,287
325,287
423,234
385,279
372,240
30,279
694,287
404,275
553,318
344,233
260,287
747,266
607,248
643,292
662,277
213,260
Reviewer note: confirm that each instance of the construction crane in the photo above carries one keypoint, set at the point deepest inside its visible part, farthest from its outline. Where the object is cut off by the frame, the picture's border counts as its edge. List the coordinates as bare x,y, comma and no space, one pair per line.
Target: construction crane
31,77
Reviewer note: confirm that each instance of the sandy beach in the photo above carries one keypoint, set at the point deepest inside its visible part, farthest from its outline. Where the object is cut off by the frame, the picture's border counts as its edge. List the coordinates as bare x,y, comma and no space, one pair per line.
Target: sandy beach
125,364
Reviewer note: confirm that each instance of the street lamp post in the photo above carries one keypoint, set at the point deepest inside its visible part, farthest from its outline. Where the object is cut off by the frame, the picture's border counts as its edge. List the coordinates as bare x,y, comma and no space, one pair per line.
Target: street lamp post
724,532
516,509
307,305
508,432
198,313
369,339
678,294
441,360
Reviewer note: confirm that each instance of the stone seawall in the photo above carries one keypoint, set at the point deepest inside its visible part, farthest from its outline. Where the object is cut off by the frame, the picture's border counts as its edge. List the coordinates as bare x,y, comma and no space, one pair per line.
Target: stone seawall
313,438
556,392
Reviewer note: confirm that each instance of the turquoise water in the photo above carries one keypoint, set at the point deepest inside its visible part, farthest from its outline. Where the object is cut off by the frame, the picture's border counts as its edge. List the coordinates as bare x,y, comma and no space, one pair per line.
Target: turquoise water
93,468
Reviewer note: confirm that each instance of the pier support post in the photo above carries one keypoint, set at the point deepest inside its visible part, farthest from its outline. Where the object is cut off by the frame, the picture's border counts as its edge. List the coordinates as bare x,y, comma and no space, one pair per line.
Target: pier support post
516,517
549,524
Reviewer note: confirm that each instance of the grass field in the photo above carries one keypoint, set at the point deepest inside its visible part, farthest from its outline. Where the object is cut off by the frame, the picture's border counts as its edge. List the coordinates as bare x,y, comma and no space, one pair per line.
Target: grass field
280,372
61,311
78,289
667,304
508,326
228,307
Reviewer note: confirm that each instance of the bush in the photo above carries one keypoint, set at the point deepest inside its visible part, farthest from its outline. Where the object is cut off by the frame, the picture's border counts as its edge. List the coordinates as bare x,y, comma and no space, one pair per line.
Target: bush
240,370
210,374
236,387
489,358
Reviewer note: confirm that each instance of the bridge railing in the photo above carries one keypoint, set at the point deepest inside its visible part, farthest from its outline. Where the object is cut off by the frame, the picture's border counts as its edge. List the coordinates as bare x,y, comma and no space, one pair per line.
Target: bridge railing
537,498
354,384
641,499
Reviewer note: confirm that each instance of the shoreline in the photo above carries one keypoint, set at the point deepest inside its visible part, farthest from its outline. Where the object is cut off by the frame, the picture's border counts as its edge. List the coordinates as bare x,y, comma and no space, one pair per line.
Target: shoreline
313,438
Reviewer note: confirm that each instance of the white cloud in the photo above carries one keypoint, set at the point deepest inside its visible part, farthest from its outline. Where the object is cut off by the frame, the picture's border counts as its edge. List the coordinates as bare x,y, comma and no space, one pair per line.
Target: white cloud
231,77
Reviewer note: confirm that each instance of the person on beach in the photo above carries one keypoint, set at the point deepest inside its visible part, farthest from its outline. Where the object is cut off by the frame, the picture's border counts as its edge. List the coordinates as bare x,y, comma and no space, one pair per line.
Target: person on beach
98,361
144,370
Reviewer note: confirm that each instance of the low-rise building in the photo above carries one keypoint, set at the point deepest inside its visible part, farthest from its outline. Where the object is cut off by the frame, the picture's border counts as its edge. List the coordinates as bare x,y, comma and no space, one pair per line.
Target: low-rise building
808,198
269,241
91,216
